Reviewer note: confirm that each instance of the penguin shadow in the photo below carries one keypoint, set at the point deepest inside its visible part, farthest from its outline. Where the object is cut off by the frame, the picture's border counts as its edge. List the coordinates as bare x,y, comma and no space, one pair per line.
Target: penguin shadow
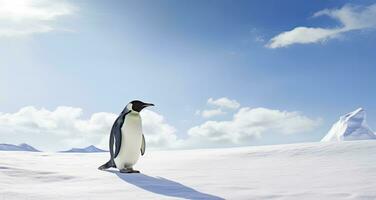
163,186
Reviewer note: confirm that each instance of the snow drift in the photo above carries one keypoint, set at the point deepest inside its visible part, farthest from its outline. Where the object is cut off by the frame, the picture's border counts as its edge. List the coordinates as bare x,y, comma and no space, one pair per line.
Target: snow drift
351,126
310,171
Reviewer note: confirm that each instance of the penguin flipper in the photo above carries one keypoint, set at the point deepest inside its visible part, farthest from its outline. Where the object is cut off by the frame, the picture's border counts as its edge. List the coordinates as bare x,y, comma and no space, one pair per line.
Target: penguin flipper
143,145
116,134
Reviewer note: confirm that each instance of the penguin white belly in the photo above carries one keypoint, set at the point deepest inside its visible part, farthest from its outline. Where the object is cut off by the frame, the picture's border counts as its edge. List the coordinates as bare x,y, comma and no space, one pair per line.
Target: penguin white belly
131,140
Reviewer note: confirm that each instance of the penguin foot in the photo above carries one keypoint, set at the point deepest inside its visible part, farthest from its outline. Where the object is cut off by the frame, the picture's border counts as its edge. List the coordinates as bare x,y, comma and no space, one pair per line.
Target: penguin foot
129,171
107,165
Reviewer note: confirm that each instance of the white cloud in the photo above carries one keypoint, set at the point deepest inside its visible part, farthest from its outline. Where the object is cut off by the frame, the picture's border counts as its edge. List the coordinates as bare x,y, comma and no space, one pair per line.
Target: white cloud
65,128
212,113
351,18
221,104
248,124
25,17
224,102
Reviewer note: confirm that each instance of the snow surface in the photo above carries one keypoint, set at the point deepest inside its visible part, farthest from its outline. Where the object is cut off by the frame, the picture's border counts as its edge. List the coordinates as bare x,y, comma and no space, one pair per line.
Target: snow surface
20,147
89,149
345,170
351,126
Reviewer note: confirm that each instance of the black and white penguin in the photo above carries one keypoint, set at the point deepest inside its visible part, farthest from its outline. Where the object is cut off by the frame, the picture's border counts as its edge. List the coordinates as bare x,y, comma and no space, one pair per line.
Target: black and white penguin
129,139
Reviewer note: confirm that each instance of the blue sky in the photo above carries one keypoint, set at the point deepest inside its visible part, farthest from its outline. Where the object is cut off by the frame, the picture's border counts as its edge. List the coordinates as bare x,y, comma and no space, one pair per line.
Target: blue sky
99,55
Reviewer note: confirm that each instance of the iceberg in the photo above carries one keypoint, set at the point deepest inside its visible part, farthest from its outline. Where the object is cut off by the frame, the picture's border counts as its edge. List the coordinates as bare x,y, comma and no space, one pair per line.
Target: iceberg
351,126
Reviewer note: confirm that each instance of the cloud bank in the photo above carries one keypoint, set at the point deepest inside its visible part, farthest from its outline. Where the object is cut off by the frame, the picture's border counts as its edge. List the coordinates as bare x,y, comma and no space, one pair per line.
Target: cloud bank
66,127
351,18
249,124
26,17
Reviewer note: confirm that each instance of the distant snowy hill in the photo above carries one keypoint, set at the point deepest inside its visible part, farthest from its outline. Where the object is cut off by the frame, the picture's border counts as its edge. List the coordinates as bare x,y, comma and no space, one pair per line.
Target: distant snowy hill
89,149
351,126
20,147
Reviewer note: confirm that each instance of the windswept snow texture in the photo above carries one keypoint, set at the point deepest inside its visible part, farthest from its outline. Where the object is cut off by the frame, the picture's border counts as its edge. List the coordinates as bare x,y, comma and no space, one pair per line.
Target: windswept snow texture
345,170
351,126
89,149
21,147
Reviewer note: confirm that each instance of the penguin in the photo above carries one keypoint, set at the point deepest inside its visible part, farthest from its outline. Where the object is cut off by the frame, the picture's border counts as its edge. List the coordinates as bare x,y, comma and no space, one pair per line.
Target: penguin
129,139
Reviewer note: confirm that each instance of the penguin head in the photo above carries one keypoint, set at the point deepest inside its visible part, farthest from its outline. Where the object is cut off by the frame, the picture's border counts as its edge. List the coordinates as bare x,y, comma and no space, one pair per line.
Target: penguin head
137,105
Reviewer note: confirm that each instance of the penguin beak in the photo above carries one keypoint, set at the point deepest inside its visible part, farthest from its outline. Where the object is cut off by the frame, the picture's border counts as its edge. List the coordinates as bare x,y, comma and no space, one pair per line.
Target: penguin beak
147,105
